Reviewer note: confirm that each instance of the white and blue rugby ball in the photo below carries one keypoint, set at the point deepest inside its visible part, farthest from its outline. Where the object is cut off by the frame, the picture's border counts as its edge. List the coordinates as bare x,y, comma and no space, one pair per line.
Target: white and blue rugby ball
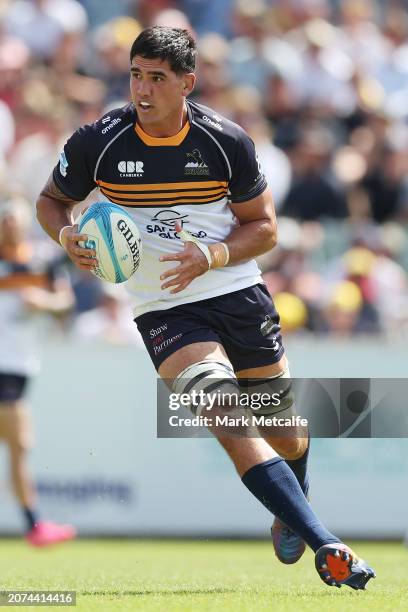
114,236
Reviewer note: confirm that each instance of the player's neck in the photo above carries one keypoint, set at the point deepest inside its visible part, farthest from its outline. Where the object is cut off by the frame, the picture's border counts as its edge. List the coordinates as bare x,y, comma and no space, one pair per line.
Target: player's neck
172,126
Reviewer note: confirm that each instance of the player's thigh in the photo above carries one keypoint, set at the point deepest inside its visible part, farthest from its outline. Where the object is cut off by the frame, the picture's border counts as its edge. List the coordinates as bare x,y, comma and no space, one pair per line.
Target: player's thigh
249,328
190,354
267,371
179,337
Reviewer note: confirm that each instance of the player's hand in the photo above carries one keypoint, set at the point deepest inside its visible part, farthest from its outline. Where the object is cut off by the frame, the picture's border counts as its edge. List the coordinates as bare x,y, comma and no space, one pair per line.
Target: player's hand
192,263
81,257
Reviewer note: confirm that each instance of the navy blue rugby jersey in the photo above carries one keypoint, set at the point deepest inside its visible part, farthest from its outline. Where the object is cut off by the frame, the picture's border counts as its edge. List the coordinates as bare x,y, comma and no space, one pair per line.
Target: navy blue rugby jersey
191,177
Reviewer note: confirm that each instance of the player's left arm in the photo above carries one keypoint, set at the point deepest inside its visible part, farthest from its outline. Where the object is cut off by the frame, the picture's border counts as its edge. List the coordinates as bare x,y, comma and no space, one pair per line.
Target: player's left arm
255,235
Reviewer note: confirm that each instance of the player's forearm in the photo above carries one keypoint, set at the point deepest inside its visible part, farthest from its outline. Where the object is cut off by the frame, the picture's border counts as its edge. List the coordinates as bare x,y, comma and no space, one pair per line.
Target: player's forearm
53,215
247,241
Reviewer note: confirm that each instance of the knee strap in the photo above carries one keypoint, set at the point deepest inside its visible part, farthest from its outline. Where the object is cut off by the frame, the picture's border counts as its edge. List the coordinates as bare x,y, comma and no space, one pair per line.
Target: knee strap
279,389
207,377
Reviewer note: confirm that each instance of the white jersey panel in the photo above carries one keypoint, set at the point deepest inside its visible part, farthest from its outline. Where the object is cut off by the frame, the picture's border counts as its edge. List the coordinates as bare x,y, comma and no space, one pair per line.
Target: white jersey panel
211,223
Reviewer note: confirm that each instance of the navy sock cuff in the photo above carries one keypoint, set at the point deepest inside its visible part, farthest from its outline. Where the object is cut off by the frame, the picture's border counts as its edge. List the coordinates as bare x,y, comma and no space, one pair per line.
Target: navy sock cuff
31,517
259,467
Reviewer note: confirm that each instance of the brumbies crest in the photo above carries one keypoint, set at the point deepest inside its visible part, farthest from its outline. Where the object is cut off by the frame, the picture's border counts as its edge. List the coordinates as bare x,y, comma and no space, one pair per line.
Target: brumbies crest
195,164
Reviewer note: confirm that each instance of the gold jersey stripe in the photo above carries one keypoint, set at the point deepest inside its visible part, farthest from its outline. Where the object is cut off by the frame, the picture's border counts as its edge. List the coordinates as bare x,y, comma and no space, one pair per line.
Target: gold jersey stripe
163,195
158,203
165,186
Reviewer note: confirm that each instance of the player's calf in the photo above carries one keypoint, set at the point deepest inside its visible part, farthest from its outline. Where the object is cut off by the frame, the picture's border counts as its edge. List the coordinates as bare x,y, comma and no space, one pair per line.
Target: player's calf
290,443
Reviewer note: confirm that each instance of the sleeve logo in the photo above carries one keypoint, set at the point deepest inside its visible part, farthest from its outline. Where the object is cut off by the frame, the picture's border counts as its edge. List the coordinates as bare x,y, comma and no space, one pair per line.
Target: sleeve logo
63,164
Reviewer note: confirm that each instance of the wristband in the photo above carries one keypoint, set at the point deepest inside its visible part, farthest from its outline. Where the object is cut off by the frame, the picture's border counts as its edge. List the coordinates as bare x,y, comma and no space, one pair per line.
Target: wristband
187,237
219,255
60,234
227,253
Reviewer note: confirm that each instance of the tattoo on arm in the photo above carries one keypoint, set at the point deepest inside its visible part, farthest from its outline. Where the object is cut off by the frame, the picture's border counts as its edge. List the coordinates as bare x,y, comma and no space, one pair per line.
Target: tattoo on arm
51,190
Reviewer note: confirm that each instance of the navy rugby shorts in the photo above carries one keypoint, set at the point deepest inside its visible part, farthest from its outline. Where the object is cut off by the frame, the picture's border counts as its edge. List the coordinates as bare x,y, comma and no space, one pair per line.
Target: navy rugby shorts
12,387
244,322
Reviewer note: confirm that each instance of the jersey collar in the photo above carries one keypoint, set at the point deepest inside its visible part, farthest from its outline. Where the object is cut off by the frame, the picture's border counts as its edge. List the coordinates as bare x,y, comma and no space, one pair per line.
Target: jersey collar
170,141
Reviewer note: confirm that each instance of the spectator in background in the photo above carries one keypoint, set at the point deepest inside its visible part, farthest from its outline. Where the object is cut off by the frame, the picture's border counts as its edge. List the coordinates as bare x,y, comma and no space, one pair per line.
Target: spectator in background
321,86
31,22
147,10
386,182
42,123
247,111
247,62
14,61
102,12
209,15
6,136
111,42
313,194
342,310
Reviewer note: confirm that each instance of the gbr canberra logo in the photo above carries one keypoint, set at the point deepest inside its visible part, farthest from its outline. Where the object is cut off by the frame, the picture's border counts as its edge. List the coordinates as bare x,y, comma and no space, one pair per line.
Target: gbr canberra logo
131,169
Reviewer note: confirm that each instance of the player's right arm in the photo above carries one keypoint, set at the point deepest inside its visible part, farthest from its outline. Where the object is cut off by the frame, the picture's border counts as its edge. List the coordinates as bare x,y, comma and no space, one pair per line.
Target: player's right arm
54,213
70,183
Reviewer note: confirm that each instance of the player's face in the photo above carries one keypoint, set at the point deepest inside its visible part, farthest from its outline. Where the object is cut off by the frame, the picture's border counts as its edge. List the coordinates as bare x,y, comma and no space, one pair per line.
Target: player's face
158,94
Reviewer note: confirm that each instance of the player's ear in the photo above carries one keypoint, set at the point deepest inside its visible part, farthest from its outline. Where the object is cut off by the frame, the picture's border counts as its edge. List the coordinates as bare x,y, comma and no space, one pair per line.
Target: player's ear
188,83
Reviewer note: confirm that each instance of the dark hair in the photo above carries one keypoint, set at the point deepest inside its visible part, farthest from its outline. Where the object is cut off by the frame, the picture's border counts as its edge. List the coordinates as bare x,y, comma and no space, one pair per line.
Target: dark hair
172,44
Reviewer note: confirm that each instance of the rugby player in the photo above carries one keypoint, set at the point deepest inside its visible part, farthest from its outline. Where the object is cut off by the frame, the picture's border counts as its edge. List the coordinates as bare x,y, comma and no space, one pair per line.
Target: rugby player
193,183
28,284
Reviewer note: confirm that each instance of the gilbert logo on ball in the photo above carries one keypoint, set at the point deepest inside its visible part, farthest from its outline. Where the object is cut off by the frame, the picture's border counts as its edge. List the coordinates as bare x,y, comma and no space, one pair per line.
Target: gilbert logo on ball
116,239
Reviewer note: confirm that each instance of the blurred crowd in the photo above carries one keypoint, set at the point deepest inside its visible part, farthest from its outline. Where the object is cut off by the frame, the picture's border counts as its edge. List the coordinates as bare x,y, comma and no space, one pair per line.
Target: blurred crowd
320,85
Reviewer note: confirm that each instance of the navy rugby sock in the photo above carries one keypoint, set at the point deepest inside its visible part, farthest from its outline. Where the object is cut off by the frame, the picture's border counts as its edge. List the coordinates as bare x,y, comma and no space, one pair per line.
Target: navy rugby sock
275,486
31,518
299,468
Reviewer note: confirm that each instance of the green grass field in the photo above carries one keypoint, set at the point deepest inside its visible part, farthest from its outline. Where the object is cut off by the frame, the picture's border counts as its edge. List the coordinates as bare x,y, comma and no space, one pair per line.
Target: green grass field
204,575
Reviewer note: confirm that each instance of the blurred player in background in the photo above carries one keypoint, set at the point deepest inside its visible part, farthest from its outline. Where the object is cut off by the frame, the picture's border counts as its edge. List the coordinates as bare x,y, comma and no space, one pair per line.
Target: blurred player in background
178,163
110,321
28,284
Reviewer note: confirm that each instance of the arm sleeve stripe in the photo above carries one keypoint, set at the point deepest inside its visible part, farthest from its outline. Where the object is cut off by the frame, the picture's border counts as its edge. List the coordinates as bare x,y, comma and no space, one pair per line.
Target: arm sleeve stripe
218,145
107,147
259,188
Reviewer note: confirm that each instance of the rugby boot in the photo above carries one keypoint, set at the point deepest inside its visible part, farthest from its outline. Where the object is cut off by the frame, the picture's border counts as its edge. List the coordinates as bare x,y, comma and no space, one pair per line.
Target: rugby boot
337,564
288,546
45,533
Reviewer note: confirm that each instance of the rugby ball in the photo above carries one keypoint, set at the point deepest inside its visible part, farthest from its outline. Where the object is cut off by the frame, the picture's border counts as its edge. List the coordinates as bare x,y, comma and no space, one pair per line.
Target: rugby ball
116,239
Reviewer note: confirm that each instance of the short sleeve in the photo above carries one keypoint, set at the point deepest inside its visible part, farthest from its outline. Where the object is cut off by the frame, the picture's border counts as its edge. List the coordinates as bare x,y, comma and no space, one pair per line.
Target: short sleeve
74,173
248,180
